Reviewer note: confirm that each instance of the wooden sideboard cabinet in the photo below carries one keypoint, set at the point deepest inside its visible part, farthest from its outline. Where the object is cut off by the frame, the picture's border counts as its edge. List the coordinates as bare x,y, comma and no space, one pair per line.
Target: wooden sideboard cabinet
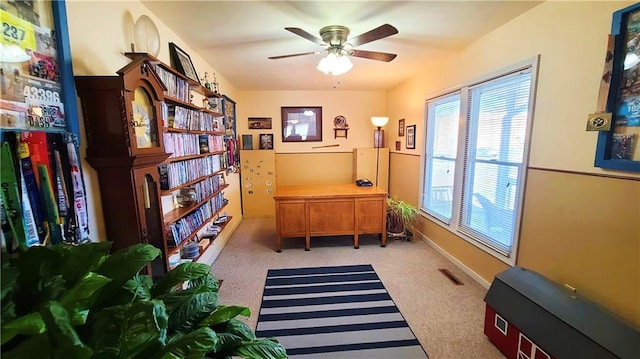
328,210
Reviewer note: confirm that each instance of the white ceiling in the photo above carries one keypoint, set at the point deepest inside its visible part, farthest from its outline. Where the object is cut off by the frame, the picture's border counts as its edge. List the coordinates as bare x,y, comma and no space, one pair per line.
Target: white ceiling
236,37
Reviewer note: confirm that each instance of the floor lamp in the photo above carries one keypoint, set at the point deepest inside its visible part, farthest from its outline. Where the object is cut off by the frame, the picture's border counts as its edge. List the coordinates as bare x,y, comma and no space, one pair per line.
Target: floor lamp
378,138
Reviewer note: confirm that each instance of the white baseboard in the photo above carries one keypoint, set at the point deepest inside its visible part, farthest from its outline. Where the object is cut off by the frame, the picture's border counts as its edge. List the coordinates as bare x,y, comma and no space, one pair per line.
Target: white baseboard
483,282
210,255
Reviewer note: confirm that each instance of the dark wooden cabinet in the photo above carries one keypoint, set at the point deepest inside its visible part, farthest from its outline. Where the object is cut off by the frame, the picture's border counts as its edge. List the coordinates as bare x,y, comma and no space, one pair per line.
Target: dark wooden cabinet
123,121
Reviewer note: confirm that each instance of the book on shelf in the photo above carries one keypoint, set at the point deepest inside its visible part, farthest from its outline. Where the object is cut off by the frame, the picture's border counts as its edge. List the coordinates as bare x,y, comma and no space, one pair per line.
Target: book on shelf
163,170
204,143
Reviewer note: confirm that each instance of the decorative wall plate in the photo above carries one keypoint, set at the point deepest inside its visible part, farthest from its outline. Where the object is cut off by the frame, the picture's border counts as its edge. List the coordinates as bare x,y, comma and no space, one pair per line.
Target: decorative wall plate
146,36
340,122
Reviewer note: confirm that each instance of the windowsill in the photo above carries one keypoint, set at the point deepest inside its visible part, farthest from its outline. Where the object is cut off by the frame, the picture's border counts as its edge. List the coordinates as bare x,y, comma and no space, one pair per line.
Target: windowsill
508,260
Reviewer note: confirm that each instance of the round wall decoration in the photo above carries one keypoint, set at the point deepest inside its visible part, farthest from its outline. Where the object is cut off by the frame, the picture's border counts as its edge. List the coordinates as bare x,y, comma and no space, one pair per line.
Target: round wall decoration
340,122
146,36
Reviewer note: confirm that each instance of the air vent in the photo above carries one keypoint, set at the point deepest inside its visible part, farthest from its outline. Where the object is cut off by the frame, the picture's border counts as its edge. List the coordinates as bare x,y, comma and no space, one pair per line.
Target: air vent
451,277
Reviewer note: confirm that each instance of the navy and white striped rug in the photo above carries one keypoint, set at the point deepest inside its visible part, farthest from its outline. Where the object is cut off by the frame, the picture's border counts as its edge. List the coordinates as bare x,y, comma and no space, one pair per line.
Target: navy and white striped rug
334,312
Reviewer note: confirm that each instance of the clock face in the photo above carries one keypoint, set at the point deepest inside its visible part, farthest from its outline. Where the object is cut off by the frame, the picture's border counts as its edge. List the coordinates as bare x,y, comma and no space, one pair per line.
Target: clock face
143,118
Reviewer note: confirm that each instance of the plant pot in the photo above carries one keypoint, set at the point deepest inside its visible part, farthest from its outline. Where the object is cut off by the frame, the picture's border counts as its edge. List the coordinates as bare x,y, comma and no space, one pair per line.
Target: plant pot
394,223
409,235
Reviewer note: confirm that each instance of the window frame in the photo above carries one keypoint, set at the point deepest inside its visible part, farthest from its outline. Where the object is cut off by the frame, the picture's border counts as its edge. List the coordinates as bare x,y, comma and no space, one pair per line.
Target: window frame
530,64
501,319
440,99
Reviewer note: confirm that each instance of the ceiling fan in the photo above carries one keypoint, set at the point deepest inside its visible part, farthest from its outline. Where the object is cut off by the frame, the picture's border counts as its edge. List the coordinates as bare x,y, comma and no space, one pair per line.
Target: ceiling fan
334,39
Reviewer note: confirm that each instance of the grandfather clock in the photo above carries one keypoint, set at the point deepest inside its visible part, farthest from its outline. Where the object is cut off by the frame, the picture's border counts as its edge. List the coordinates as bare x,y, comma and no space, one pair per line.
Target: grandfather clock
123,122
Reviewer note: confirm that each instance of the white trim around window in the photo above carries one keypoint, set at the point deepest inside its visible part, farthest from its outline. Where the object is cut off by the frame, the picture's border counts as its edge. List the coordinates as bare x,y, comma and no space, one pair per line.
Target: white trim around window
499,323
475,156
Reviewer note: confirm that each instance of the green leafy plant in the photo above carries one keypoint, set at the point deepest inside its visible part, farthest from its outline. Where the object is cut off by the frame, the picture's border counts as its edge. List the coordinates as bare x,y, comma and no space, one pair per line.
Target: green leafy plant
400,216
83,302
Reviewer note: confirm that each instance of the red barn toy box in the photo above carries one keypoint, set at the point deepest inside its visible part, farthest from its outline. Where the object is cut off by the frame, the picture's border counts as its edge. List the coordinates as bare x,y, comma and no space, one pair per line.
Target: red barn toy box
530,317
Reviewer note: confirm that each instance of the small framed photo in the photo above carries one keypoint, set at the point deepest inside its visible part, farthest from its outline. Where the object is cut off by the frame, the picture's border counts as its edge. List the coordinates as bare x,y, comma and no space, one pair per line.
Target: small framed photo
411,137
266,141
398,145
301,124
247,142
181,61
259,123
401,127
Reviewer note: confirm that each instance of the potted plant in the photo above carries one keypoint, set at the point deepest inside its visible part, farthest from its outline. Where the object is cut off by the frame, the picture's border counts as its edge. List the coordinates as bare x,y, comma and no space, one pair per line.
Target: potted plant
400,218
81,302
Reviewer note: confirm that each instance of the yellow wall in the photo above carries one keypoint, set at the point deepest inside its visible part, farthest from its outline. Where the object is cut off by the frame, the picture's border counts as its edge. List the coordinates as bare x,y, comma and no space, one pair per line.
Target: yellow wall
356,106
313,168
584,230
578,227
299,163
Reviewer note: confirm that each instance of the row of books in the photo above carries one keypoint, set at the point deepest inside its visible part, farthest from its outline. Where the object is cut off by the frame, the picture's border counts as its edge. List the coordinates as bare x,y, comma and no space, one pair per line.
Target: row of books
211,143
186,144
207,187
177,173
176,87
176,116
183,228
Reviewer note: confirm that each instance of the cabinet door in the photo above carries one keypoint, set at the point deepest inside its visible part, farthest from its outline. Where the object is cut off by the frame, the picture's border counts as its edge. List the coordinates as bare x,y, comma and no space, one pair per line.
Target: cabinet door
370,215
331,216
144,121
258,180
150,223
291,217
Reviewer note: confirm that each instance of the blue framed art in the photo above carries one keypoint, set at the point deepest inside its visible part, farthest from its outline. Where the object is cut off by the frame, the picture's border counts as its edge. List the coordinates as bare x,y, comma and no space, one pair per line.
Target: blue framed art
618,148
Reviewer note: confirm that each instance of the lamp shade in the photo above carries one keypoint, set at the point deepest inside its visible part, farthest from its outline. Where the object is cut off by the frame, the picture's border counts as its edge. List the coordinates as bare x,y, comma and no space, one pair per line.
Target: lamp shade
335,64
379,121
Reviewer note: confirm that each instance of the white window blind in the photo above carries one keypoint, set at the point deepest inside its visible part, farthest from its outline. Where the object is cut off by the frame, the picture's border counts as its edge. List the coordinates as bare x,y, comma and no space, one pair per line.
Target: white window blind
440,159
474,164
497,128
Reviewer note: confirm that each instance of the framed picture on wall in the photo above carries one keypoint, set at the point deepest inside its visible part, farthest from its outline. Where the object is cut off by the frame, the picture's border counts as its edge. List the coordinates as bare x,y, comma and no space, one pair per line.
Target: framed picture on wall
266,141
247,142
181,61
301,124
259,123
618,147
401,127
411,137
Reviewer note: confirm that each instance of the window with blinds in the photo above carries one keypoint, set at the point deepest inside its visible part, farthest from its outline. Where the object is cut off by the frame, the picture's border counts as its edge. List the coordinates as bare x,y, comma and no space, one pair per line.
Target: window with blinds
440,161
474,163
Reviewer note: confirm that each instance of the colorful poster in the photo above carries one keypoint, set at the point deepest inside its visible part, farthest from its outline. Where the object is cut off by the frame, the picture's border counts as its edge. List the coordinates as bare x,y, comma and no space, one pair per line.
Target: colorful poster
29,75
629,112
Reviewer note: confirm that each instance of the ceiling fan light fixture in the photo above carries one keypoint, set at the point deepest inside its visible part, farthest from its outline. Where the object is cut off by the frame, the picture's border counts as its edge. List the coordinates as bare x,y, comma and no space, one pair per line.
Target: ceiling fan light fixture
335,64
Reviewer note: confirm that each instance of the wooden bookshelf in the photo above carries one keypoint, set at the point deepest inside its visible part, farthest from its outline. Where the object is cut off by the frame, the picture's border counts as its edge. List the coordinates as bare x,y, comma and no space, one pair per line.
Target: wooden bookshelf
176,214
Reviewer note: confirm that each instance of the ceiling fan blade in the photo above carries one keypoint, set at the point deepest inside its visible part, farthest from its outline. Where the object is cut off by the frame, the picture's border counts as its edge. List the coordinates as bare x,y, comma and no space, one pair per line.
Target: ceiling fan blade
378,33
292,55
373,55
305,35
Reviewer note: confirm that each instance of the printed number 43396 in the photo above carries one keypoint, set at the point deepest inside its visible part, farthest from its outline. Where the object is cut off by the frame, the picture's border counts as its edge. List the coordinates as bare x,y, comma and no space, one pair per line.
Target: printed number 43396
40,94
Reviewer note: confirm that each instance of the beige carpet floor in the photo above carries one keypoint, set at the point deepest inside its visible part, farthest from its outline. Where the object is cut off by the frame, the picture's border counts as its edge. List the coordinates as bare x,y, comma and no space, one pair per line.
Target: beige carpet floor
446,318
